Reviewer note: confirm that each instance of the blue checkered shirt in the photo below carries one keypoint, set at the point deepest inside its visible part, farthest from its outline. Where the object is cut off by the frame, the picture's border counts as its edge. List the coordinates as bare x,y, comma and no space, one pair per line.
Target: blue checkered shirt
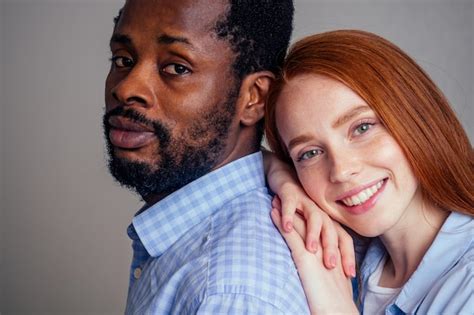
211,248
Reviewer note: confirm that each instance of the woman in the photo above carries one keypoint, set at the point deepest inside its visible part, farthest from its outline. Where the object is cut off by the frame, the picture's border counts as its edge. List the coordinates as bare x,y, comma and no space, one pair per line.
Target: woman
375,144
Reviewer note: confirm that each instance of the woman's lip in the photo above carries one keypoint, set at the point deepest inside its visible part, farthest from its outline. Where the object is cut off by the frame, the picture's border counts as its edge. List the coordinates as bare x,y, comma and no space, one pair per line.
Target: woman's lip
128,139
357,190
366,205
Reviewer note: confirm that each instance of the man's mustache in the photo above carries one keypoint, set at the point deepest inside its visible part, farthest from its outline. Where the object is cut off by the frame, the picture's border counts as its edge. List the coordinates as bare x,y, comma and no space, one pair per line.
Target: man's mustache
131,115
161,131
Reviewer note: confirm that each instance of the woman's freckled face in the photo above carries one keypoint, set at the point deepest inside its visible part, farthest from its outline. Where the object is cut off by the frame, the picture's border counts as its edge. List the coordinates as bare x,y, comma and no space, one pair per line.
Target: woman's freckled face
344,157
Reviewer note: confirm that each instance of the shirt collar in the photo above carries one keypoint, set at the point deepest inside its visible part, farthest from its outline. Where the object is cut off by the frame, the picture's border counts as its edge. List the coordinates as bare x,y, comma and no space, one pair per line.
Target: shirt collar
455,237
165,222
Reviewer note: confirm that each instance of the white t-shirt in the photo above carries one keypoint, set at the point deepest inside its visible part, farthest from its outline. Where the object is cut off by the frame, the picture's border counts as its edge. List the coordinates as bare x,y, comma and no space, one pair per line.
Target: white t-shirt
378,298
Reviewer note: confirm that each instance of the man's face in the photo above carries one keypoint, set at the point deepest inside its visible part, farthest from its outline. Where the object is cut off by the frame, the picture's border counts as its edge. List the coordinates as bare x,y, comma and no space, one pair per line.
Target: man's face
170,94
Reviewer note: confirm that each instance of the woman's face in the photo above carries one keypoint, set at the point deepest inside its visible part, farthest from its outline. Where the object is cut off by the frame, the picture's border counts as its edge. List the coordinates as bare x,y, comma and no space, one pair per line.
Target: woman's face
345,159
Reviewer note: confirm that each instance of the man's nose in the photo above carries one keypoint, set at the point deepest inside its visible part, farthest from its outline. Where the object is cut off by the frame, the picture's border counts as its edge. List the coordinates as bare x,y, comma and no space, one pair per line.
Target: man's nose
345,165
137,87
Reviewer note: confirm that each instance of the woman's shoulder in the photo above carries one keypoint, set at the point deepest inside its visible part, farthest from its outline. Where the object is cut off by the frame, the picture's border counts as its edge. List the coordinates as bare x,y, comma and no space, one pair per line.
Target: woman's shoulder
453,292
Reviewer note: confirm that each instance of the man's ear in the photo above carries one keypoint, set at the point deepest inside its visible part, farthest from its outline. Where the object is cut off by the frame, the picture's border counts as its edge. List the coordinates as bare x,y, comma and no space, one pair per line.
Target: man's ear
253,92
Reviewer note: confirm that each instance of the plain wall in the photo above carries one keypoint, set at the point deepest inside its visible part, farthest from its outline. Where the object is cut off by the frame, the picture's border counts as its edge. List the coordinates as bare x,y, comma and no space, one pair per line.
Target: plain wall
64,222
438,34
63,244
1,159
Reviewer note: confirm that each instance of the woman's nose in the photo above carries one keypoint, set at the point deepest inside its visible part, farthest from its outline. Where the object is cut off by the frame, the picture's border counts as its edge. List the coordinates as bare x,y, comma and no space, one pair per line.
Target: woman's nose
345,165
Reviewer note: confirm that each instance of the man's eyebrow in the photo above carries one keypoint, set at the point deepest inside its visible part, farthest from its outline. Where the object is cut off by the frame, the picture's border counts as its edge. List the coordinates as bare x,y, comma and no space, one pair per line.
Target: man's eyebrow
299,139
168,40
121,39
162,39
349,115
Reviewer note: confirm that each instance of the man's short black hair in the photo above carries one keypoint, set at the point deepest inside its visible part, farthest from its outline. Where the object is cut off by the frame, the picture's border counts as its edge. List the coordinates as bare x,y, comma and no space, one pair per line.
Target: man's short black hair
259,34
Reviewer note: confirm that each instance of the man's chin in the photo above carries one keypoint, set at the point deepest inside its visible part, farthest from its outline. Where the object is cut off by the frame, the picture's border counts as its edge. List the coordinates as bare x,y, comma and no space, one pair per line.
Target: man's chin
132,156
131,174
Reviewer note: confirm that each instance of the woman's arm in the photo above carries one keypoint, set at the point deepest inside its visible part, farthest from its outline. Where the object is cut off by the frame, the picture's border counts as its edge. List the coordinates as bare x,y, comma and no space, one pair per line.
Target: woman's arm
320,230
327,291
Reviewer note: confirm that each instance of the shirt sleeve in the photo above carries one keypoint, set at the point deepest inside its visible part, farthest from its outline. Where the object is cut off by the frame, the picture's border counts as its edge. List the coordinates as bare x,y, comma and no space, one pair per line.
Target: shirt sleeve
236,304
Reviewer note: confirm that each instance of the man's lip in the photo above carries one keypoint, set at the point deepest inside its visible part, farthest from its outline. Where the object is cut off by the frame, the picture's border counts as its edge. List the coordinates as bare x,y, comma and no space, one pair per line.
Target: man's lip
127,139
357,190
124,124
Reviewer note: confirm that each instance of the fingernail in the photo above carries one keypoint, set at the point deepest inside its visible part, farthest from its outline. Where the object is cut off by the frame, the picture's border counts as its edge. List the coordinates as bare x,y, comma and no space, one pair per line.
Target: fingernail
314,246
332,261
352,271
288,226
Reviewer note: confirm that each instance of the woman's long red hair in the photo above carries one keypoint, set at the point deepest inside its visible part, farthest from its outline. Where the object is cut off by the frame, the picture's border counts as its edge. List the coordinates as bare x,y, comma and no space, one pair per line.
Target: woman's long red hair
412,108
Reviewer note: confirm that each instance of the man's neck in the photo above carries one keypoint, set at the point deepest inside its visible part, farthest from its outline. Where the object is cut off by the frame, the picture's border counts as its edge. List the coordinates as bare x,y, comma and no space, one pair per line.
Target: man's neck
242,146
154,198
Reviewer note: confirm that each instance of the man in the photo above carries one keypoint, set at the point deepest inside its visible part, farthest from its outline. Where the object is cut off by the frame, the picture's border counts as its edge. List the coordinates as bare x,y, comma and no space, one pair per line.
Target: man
184,107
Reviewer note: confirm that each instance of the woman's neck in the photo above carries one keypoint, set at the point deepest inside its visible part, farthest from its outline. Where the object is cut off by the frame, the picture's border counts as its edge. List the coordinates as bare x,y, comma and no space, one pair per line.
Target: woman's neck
408,241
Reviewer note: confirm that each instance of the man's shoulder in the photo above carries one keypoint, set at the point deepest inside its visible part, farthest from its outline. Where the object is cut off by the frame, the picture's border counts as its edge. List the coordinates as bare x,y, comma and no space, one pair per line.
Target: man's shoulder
244,223
248,256
235,259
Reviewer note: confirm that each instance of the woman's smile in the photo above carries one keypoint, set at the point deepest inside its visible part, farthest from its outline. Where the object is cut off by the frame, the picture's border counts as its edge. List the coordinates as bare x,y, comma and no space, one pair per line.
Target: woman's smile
362,201
345,158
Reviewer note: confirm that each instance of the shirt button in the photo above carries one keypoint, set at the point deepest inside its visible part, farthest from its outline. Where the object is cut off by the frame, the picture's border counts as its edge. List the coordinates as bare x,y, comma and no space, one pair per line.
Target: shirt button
137,273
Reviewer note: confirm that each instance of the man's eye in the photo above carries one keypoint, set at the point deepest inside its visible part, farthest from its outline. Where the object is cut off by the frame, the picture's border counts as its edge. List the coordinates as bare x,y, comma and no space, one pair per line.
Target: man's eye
309,154
175,69
122,62
362,128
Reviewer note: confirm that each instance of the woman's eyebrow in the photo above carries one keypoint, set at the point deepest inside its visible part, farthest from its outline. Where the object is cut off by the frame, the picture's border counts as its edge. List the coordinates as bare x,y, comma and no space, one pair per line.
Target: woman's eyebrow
298,139
349,115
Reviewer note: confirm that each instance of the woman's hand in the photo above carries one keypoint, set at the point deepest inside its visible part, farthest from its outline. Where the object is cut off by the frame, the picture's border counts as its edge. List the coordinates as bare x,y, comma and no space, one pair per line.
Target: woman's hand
335,241
320,230
327,291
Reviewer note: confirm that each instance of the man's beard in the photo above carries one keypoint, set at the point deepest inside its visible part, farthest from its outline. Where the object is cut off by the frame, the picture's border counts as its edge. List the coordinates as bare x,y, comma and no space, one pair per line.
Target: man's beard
180,161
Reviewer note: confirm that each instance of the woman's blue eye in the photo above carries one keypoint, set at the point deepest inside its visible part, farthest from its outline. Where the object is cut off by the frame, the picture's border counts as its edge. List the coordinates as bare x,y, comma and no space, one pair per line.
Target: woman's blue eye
122,62
363,128
309,154
176,69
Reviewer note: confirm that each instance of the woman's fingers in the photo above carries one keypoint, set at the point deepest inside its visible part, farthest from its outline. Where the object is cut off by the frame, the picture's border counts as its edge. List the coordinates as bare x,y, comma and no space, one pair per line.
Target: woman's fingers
276,203
292,238
346,248
300,225
329,240
313,216
327,291
317,230
288,210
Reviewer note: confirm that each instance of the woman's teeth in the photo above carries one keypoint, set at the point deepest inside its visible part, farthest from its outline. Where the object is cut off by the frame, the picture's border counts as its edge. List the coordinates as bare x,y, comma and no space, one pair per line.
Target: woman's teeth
362,196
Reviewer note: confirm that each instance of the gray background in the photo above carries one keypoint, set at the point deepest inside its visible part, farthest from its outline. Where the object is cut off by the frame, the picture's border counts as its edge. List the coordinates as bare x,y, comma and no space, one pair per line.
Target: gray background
62,218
